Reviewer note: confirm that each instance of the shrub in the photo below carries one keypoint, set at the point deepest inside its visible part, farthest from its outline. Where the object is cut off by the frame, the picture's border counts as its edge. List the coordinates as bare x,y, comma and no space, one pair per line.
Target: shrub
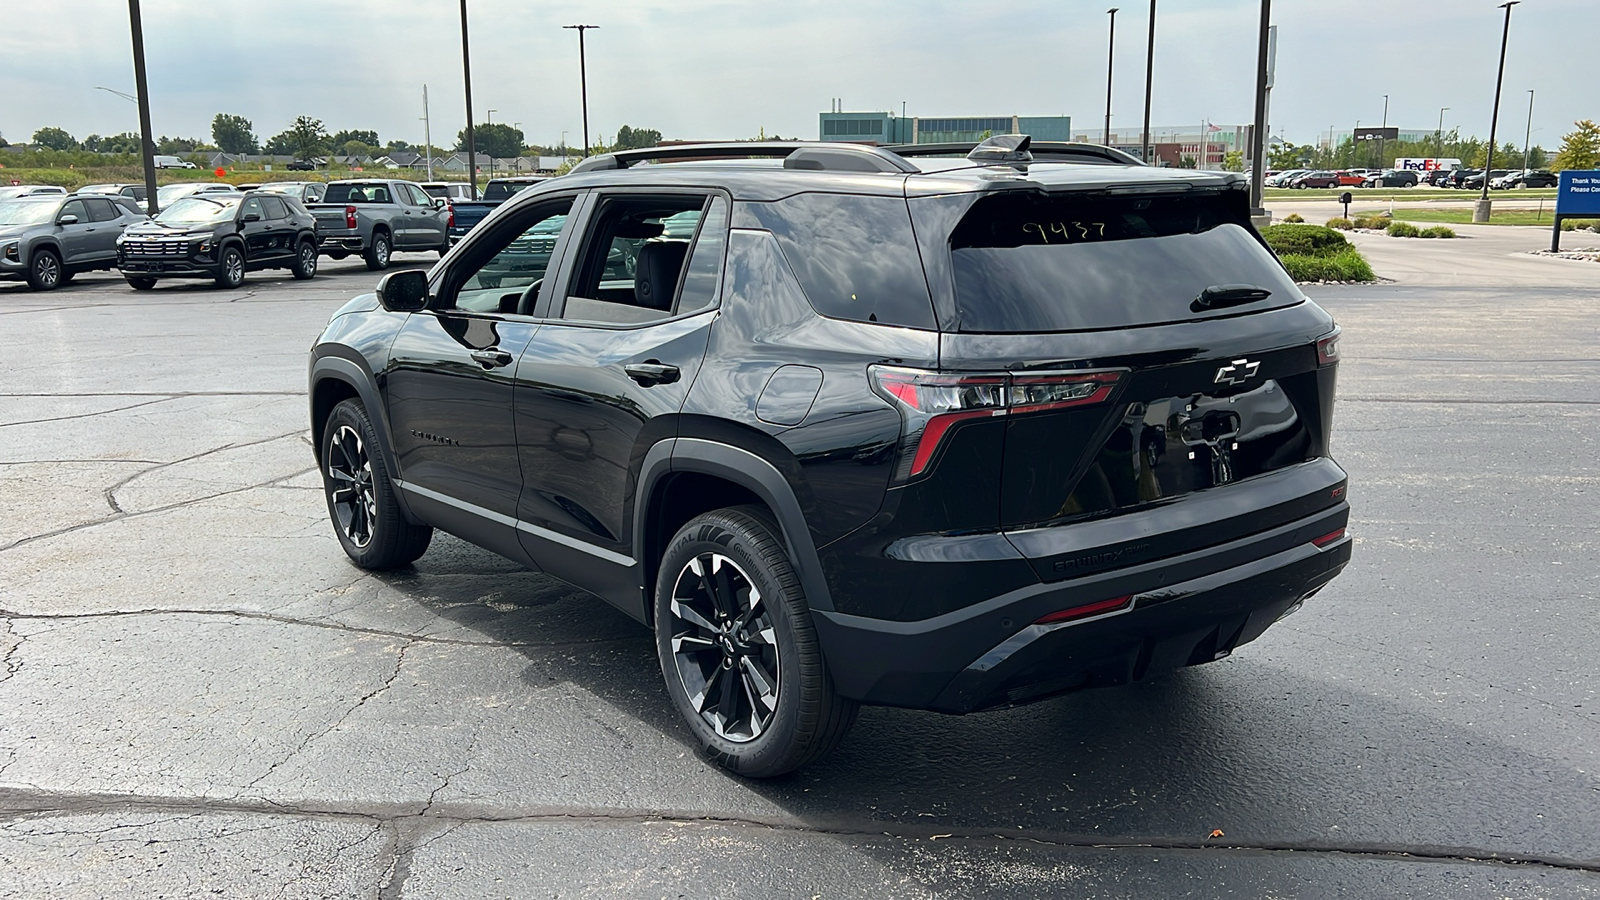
1372,221
1438,231
1340,223
1575,224
1403,229
1304,240
1345,265
1294,218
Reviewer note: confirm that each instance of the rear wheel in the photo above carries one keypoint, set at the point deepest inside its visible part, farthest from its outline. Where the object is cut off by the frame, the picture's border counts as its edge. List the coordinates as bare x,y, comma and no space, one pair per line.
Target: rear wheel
361,502
141,283
377,253
44,273
230,268
738,649
305,261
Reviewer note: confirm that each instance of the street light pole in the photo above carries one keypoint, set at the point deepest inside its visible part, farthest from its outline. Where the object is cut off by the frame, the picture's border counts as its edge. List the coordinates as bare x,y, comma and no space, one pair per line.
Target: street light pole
583,81
487,121
1111,49
147,147
1149,72
466,79
1527,136
1438,136
1258,153
1381,136
427,133
1480,210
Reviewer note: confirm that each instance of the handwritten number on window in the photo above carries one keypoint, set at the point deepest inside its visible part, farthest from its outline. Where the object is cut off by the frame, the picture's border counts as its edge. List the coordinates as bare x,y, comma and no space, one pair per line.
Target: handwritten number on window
1066,231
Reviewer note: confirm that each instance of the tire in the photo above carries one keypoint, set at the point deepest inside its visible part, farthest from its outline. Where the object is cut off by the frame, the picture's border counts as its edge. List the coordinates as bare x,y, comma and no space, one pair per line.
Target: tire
305,261
711,570
361,503
44,272
230,267
378,252
140,283
444,248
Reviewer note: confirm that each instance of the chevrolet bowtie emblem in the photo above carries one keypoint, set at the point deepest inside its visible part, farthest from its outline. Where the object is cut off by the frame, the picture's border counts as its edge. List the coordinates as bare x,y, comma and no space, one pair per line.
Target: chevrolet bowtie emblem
1237,372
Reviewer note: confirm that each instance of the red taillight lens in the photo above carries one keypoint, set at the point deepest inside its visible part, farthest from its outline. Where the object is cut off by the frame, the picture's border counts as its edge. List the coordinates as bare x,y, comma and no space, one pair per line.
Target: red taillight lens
1328,349
1329,538
931,403
349,217
452,221
1083,612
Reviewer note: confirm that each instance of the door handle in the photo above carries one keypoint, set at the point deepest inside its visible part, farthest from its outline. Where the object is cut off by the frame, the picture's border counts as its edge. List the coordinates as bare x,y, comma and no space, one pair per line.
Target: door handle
651,372
492,358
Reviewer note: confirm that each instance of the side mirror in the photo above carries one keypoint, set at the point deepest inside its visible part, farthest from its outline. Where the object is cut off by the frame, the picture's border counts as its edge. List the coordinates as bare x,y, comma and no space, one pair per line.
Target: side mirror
68,219
404,291
251,217
439,203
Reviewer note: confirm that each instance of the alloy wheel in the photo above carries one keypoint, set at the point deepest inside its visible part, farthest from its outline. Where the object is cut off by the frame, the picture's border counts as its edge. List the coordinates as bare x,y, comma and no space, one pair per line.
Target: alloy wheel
725,647
355,505
381,251
47,270
308,259
233,263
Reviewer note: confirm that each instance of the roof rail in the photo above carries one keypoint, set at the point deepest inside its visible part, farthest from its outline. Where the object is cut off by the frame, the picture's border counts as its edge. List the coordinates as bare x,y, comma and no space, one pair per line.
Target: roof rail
835,157
1043,151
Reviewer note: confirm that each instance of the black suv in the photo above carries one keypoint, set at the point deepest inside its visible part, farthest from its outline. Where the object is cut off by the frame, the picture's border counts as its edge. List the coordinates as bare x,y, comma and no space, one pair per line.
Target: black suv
220,236
876,426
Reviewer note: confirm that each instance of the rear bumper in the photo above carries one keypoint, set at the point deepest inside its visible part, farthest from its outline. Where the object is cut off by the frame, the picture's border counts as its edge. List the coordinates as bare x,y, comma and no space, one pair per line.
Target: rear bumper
1184,610
353,243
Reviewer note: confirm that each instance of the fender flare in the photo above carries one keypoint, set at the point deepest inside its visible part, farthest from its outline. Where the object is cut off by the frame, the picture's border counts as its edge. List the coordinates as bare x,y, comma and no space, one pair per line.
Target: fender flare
338,368
750,471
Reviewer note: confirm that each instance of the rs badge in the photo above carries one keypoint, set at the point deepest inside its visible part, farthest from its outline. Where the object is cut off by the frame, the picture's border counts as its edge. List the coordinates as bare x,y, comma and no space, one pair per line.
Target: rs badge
1237,372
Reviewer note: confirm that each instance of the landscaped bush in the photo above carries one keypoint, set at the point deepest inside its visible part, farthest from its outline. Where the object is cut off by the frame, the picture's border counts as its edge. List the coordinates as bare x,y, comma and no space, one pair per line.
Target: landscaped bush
1438,231
1304,240
1372,221
1316,253
1346,265
1575,224
1341,223
1403,229
1294,218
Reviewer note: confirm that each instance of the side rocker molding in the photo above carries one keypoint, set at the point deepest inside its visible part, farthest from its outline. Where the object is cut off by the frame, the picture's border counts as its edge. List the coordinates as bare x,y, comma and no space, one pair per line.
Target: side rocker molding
341,369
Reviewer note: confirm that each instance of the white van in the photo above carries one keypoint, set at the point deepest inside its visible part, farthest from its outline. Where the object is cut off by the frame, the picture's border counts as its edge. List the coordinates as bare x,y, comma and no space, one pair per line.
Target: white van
172,162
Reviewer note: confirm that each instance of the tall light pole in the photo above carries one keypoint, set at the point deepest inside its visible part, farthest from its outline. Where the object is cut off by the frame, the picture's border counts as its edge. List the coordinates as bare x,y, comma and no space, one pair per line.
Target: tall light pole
583,81
1381,137
489,120
466,79
1480,210
427,133
1258,162
147,146
1149,72
1438,135
1527,136
1111,50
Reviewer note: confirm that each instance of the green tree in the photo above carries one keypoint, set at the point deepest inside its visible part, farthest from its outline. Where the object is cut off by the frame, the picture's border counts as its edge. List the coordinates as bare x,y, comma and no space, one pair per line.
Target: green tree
1188,162
1233,161
370,138
400,147
304,139
1286,156
497,140
55,139
1580,148
354,148
629,138
1508,156
234,134
126,142
172,146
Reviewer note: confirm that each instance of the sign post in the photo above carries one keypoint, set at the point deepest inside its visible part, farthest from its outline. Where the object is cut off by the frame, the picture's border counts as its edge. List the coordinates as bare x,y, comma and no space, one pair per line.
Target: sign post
1577,197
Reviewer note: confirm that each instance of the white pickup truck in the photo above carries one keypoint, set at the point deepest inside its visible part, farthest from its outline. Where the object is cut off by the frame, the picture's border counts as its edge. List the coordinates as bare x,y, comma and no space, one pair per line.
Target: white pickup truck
377,217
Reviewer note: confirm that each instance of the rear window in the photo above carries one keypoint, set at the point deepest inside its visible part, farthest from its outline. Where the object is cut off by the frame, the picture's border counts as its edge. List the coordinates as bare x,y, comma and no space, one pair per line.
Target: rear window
358,193
1032,262
504,190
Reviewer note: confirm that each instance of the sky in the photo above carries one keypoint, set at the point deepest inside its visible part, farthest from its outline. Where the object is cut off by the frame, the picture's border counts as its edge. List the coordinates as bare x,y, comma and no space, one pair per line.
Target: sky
717,69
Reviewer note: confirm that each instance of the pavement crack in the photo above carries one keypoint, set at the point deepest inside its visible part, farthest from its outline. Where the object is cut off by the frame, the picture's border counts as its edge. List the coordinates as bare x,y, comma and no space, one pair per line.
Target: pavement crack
89,415
12,642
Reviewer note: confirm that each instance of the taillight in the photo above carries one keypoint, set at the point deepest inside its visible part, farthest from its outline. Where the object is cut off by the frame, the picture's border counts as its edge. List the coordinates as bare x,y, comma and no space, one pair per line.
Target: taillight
452,222
1328,349
350,217
1329,538
1086,610
931,403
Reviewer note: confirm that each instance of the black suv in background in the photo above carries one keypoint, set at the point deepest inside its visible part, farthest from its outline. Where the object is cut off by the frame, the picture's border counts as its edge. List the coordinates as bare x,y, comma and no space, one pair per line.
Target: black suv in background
220,236
942,427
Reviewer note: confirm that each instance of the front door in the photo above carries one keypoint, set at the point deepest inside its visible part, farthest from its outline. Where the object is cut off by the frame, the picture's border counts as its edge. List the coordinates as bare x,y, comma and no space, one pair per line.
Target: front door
625,332
448,390
77,238
255,230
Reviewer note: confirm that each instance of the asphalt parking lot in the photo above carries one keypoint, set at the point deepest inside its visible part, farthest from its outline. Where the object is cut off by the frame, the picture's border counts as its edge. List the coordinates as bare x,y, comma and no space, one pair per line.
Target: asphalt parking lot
201,697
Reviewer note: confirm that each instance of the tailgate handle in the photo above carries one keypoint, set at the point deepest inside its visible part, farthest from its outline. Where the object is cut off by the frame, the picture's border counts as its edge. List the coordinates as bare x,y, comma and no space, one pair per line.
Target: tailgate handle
1220,295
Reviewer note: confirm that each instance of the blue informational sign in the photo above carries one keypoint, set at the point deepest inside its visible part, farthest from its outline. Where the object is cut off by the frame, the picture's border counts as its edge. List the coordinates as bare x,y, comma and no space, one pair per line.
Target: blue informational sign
1578,194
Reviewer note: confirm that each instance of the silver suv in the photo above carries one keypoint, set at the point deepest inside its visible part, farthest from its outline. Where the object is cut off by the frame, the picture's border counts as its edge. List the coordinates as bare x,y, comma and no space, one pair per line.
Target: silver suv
47,239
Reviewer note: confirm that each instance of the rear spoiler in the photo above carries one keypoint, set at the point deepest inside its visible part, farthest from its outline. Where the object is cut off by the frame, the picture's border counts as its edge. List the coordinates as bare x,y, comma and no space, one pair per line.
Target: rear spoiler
1041,151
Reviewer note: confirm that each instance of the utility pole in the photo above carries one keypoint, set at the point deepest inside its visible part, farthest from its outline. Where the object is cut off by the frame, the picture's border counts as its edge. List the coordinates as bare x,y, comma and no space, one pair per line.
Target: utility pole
1111,50
489,120
1527,136
466,78
147,146
427,133
1481,209
1381,133
1258,153
583,82
1438,136
1149,72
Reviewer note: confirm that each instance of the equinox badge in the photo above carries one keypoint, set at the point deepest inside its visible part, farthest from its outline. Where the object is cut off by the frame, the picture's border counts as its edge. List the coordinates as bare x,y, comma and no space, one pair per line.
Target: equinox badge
1237,372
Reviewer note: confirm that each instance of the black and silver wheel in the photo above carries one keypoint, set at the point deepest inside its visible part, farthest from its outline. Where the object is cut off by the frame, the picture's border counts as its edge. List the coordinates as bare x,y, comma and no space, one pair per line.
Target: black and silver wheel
140,282
361,503
44,273
305,261
377,255
230,267
738,649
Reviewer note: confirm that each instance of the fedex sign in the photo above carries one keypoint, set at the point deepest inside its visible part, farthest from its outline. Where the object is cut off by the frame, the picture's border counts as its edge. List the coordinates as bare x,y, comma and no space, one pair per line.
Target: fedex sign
1426,164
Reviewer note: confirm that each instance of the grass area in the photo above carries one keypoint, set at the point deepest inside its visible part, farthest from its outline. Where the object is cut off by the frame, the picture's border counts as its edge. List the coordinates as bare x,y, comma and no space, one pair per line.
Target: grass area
73,179
1496,217
1316,253
1416,193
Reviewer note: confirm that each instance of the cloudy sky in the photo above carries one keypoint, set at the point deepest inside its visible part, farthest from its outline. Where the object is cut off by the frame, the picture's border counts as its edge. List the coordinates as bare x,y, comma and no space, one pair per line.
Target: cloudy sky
703,69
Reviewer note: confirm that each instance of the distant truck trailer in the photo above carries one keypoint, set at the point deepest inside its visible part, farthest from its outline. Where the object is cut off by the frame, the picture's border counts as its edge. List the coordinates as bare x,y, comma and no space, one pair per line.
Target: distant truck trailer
1425,164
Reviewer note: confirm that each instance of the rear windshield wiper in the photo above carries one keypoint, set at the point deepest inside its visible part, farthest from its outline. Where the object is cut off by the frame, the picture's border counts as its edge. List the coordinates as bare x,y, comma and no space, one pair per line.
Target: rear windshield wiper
1220,295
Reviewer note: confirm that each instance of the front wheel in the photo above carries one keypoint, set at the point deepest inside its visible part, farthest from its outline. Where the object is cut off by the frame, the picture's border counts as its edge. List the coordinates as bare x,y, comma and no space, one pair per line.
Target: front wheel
140,283
230,268
361,502
377,254
305,261
738,649
44,273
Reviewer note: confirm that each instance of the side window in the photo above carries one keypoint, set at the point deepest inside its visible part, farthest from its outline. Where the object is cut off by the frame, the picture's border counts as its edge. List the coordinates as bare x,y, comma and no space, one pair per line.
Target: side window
704,273
505,275
633,259
101,210
251,205
408,195
274,208
75,208
314,193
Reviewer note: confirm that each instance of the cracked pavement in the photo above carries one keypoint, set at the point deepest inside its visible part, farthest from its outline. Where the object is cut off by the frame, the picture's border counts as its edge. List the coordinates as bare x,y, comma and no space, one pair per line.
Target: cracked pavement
200,696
